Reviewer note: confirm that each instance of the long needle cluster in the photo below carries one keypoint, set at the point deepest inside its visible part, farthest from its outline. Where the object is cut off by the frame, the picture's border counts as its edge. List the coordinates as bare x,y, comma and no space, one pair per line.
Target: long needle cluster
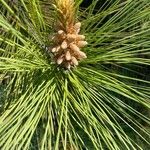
67,41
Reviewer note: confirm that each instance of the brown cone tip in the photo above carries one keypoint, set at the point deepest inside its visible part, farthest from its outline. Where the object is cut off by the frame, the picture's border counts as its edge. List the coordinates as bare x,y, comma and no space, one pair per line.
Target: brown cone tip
67,41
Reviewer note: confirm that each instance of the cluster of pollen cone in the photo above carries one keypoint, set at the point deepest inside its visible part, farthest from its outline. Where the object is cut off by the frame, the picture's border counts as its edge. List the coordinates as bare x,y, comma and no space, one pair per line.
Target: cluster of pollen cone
67,43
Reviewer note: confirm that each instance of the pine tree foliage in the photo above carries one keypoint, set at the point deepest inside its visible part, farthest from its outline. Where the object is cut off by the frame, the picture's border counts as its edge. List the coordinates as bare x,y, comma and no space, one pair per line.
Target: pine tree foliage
95,105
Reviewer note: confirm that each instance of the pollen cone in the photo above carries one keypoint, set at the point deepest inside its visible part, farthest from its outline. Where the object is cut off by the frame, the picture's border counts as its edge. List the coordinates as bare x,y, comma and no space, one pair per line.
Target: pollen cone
67,42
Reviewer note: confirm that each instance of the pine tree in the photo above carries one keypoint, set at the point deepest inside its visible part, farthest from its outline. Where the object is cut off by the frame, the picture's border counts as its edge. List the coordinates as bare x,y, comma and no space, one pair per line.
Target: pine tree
72,77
